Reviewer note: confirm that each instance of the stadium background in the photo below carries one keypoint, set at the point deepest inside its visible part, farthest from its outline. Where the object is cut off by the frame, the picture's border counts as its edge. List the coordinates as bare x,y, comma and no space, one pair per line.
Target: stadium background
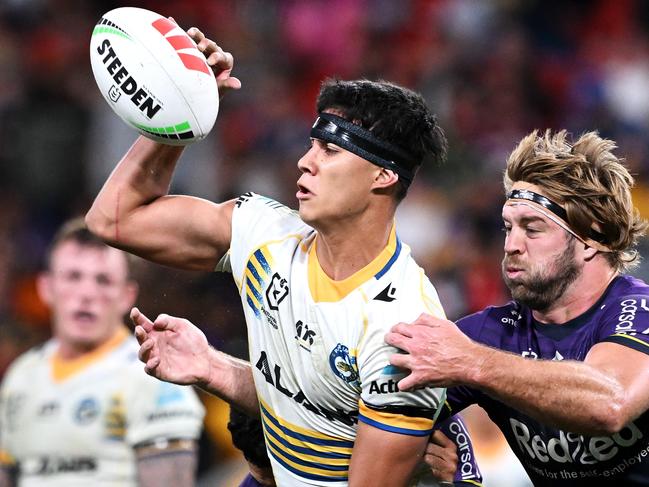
492,70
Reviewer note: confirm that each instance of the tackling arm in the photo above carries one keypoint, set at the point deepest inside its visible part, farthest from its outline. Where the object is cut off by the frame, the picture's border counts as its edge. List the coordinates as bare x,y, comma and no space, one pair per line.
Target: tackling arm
597,396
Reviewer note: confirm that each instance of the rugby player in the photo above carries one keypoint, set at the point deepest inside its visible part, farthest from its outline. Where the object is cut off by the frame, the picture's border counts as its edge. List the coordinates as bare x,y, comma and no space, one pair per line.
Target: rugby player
563,368
319,289
78,410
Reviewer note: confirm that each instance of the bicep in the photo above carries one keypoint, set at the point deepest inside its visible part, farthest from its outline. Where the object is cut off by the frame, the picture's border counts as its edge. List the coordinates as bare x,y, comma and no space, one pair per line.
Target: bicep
629,368
178,231
383,458
173,465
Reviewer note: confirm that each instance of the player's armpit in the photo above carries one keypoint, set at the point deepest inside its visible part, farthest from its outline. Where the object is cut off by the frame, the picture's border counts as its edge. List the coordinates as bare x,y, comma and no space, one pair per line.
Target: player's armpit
383,458
167,463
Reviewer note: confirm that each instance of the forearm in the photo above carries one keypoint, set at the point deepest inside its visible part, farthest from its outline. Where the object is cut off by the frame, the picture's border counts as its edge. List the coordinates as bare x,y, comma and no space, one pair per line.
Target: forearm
231,380
567,394
167,467
143,175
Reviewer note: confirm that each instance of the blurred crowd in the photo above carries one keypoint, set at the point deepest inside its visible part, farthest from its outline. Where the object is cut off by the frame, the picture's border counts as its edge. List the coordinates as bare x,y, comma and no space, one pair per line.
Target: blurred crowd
492,71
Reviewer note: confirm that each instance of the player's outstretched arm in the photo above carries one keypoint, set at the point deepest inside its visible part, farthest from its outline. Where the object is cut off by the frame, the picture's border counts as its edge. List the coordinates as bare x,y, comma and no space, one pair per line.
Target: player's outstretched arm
134,212
174,350
598,396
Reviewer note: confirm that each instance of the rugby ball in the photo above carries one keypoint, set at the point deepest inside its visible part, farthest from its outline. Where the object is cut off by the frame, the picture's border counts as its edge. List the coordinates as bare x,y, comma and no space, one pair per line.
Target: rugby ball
153,76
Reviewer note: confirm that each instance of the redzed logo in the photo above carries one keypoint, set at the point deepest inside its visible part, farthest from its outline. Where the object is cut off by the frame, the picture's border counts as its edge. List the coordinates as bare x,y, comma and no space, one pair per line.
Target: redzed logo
178,42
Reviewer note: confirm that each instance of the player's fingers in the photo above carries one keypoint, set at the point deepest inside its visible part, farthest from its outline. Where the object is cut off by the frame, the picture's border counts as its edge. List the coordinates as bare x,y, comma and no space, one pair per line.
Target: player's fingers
140,334
398,340
195,34
139,319
229,83
220,61
152,365
400,360
402,329
439,438
145,350
407,383
165,322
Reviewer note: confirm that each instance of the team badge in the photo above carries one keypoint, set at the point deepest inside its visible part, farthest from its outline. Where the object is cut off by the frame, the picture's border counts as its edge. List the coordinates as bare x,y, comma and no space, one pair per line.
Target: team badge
344,365
86,411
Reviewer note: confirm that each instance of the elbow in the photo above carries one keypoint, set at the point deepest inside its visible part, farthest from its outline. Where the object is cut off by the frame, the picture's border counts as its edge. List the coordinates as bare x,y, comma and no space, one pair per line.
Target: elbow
612,416
100,224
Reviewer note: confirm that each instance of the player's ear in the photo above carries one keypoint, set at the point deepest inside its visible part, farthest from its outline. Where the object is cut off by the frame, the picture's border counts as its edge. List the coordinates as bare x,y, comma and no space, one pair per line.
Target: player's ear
44,287
385,178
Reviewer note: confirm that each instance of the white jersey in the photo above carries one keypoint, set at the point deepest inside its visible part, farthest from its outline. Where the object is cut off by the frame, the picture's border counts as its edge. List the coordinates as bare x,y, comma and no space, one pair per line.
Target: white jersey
76,423
317,346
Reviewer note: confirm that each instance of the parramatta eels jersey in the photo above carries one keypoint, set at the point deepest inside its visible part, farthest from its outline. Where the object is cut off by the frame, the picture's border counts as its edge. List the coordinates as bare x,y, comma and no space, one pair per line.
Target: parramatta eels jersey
317,346
75,423
554,457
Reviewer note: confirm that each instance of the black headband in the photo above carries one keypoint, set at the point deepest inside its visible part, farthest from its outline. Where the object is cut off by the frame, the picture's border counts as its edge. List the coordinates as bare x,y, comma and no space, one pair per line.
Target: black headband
357,140
548,204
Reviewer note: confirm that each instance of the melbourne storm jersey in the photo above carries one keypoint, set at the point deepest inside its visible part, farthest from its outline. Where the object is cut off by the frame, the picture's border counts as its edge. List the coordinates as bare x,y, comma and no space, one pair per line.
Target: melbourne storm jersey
317,346
76,423
554,457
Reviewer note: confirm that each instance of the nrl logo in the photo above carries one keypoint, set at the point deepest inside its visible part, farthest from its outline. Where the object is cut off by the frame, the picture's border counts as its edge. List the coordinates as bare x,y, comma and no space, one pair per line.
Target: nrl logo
276,291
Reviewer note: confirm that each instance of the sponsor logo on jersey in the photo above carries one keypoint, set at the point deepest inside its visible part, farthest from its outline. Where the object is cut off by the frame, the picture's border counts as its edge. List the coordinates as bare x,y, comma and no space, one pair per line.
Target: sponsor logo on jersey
468,469
273,375
388,295
168,394
276,291
570,447
54,465
344,365
242,199
86,411
384,387
115,419
529,353
48,408
626,319
304,335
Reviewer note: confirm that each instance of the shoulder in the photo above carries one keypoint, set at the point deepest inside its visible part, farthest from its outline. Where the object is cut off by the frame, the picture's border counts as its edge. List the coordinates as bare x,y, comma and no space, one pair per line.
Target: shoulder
28,361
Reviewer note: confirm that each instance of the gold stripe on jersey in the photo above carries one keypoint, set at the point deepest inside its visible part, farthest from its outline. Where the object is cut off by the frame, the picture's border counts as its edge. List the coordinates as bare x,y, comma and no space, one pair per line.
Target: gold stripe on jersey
63,369
629,337
309,454
395,423
326,290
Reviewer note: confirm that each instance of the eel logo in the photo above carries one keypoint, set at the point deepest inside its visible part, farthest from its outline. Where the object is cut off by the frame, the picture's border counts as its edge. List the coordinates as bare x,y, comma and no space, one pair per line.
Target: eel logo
344,365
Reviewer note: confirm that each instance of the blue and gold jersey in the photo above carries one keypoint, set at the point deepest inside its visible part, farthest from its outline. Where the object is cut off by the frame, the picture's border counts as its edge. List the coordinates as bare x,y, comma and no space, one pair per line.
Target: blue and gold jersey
317,346
73,423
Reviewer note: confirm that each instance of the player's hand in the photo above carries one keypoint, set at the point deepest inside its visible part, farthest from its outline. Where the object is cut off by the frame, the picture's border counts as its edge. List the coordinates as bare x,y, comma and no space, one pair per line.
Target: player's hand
441,457
221,61
172,349
437,353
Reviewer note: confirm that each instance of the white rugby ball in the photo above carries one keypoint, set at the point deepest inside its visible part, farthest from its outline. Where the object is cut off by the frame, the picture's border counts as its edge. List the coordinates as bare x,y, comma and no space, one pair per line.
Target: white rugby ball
153,76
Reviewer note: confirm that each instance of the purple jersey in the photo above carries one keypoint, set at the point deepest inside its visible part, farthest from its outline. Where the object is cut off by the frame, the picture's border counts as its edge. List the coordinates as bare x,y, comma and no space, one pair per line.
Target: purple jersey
554,457
467,472
250,481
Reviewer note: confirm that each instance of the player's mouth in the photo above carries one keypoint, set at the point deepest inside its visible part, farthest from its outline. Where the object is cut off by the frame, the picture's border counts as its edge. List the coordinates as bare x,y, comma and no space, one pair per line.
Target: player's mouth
303,192
83,316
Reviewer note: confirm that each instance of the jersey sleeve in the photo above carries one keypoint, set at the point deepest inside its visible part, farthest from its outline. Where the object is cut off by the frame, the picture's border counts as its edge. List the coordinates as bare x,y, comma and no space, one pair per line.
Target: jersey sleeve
627,323
382,404
255,220
159,410
467,472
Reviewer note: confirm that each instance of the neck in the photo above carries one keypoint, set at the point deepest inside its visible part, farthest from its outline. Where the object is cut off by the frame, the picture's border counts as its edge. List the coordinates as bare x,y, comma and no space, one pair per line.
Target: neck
346,249
68,350
580,295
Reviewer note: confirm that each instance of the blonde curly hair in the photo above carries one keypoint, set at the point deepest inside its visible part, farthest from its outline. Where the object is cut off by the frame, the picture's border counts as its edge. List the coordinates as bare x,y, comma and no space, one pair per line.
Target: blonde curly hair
589,182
